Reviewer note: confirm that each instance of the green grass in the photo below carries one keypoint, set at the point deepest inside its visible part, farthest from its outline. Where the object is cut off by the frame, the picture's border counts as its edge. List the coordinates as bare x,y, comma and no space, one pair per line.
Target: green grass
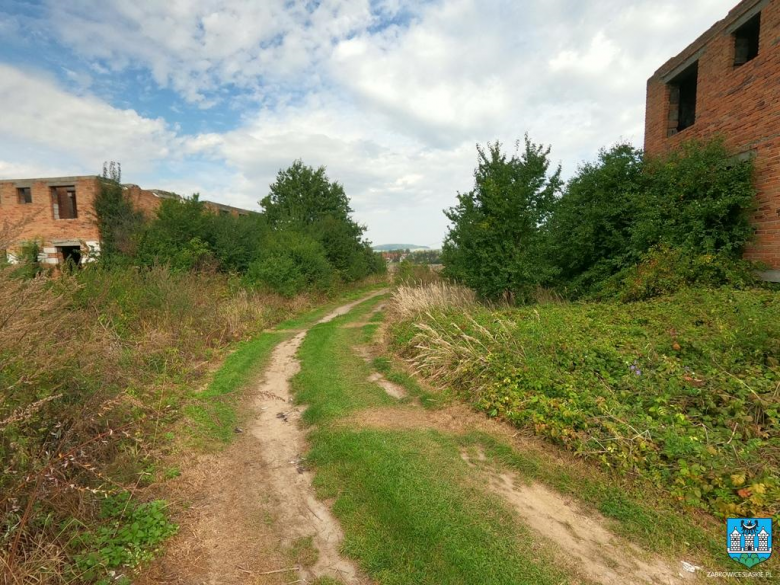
385,366
213,411
680,390
412,514
310,318
333,380
411,509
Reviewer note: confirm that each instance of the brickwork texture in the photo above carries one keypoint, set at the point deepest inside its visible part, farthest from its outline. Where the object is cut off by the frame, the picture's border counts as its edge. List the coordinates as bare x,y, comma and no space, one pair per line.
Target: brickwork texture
741,103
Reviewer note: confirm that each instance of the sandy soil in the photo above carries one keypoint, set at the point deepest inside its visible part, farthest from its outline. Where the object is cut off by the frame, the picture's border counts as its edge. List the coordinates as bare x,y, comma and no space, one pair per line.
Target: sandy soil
251,504
246,507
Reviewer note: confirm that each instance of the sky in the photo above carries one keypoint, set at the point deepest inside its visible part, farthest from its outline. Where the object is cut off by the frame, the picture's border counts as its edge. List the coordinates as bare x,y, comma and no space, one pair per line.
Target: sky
391,96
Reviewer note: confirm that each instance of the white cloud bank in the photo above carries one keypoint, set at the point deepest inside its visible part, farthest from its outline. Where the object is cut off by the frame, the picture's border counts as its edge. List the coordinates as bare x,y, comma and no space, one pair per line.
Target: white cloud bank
390,96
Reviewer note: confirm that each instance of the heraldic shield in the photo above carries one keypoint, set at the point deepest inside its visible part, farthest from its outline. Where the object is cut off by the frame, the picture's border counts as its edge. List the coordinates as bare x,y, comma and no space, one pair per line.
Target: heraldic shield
749,540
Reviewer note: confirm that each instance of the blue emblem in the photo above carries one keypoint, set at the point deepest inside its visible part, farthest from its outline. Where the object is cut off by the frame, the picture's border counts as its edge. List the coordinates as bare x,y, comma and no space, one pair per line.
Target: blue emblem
749,540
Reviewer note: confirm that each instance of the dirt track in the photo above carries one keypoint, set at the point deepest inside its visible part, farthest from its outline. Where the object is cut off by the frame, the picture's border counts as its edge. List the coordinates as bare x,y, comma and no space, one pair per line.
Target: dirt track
252,504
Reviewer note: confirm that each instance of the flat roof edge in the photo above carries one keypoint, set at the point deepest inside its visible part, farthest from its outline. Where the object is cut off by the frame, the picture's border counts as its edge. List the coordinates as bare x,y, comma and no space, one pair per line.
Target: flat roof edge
746,8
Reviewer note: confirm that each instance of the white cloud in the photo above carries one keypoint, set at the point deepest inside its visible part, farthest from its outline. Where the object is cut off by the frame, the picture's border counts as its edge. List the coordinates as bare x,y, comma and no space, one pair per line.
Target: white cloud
390,95
49,124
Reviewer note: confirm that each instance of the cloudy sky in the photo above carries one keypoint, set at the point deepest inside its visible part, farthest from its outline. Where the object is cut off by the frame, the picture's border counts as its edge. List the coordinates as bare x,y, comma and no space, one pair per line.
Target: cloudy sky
215,96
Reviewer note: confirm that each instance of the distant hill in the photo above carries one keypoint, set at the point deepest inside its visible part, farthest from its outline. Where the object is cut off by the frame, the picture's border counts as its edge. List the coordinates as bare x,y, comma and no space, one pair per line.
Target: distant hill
387,247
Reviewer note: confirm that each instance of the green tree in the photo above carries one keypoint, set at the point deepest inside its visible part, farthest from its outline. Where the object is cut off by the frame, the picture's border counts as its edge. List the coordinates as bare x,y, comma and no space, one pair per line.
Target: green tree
496,242
119,224
303,196
303,199
589,234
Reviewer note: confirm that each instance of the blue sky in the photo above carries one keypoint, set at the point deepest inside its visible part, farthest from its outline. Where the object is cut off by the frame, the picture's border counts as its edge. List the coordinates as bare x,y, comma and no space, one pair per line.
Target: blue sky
215,96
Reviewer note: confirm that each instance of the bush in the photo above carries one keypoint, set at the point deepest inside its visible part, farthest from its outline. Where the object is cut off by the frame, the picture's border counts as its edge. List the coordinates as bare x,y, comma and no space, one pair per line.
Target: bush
698,199
510,236
664,271
291,263
680,390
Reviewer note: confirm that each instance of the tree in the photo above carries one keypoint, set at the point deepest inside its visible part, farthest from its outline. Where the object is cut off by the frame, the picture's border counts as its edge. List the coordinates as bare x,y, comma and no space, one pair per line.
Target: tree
589,233
302,196
496,242
118,221
303,199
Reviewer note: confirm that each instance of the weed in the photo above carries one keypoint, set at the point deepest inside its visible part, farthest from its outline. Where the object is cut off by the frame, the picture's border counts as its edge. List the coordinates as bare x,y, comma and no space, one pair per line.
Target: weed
681,390
130,534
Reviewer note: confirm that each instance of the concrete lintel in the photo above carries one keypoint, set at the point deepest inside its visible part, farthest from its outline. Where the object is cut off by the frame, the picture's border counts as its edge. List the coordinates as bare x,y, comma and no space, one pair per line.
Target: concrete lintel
747,15
770,275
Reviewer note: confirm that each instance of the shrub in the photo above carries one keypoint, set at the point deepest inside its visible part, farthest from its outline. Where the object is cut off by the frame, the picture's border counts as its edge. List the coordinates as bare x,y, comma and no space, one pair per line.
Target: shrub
291,263
130,535
664,271
698,199
680,390
495,244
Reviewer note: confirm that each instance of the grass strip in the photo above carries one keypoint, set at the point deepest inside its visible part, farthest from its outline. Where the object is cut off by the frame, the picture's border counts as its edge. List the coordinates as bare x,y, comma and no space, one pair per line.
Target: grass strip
411,509
213,411
412,512
333,381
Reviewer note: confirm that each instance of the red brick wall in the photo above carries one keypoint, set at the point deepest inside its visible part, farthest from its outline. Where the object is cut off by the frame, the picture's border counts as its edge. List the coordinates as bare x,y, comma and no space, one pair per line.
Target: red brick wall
740,103
36,220
145,201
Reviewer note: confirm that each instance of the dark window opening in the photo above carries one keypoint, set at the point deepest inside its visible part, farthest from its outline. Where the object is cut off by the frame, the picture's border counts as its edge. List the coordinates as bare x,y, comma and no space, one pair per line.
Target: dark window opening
71,256
224,212
64,202
24,195
746,41
682,99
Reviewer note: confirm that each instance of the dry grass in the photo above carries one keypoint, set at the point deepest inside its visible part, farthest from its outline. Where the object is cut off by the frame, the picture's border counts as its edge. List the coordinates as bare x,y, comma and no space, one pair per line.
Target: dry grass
411,301
93,370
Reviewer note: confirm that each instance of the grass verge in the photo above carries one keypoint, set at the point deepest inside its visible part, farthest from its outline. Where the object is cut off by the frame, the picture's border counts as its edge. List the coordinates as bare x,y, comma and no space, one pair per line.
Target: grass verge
411,511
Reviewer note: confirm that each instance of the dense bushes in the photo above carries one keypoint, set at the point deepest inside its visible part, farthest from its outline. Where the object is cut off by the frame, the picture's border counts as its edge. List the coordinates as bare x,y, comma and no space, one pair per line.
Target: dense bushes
680,390
304,239
512,233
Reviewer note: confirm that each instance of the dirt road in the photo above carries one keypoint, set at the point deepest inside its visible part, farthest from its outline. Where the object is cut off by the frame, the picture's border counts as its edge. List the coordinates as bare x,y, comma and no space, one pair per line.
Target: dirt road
252,513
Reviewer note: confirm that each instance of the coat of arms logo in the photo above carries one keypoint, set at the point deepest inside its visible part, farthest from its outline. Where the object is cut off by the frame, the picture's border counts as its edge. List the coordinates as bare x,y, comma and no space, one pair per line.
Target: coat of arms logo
749,540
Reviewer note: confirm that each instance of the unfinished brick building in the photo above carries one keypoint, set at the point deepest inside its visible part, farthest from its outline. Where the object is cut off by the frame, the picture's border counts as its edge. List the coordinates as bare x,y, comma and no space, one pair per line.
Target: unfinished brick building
727,83
59,212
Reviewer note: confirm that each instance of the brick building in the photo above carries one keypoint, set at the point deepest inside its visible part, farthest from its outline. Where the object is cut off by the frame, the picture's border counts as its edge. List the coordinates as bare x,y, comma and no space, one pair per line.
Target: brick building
59,212
727,83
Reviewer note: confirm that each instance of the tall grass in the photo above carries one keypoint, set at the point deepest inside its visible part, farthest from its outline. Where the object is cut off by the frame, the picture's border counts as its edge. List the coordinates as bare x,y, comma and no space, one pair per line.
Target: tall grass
682,391
410,301
94,368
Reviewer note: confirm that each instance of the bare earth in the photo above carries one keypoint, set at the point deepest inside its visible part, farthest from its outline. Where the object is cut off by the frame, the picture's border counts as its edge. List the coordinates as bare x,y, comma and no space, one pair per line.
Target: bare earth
254,501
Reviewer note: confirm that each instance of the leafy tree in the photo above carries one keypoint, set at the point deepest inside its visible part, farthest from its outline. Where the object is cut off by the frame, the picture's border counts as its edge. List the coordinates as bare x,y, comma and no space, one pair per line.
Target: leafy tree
118,221
303,196
496,242
303,199
589,234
